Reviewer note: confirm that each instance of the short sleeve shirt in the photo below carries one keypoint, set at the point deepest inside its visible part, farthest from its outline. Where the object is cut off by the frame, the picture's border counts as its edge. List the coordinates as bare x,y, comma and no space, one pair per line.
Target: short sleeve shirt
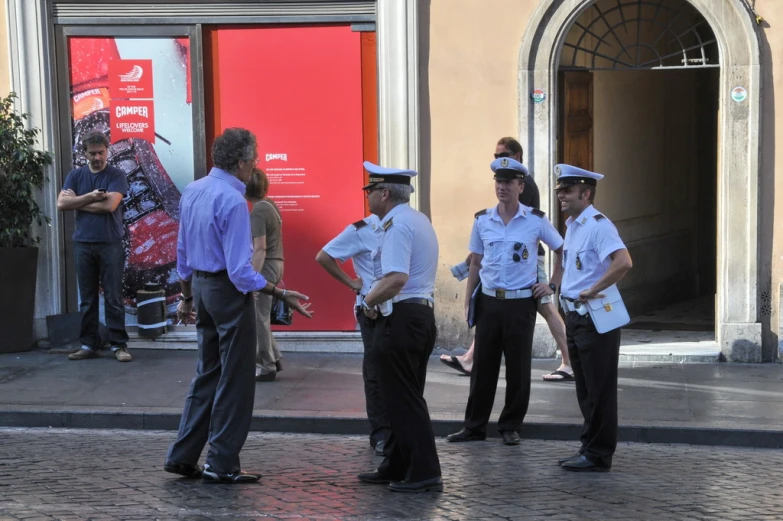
358,242
98,227
501,244
265,220
409,245
532,198
590,239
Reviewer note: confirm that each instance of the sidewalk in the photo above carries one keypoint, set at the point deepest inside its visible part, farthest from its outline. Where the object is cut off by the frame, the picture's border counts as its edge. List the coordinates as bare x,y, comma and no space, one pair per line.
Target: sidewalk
707,404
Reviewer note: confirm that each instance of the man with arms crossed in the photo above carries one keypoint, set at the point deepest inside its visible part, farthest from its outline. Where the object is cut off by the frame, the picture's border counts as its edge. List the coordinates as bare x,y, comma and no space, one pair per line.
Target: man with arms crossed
95,191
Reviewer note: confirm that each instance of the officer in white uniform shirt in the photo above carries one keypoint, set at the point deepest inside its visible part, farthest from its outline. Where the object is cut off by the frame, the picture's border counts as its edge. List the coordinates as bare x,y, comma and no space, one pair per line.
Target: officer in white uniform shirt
360,242
400,306
594,259
504,243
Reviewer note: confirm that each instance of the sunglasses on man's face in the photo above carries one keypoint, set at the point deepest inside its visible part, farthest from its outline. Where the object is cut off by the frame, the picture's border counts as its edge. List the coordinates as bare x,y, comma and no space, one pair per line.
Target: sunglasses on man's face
502,154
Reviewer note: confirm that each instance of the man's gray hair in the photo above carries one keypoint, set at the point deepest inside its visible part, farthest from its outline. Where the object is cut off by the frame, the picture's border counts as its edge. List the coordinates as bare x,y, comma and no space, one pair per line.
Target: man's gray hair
231,147
398,193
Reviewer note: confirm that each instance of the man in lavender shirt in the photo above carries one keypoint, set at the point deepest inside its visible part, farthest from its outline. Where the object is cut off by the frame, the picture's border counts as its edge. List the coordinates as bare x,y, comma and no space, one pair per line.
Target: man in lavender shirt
213,259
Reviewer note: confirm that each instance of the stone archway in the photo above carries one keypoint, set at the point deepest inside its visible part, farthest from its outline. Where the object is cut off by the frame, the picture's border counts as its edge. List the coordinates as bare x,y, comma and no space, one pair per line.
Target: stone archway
737,327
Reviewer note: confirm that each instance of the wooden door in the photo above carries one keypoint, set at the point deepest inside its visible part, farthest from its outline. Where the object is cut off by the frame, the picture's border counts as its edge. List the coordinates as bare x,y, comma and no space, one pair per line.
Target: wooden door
575,141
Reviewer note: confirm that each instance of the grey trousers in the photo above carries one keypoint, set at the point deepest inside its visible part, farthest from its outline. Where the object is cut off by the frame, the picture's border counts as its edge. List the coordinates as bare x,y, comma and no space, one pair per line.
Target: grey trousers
219,404
267,352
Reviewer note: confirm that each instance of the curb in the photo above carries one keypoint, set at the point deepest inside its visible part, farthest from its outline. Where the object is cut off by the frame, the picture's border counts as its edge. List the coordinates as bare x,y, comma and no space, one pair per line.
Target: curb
751,438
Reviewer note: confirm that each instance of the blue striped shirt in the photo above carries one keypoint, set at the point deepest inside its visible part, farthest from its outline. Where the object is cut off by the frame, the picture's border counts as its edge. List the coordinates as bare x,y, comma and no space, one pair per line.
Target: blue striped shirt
214,231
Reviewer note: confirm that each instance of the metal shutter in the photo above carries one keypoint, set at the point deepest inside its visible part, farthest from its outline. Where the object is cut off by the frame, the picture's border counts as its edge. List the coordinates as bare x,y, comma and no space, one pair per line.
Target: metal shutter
64,12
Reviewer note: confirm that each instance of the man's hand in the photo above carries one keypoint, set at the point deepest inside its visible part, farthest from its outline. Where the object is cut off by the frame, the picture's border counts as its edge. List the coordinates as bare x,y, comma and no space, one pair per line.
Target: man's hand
293,298
185,312
590,294
371,313
541,289
357,284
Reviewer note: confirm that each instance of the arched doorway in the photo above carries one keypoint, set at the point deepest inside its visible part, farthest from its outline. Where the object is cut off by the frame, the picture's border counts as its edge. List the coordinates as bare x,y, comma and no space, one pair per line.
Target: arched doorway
552,41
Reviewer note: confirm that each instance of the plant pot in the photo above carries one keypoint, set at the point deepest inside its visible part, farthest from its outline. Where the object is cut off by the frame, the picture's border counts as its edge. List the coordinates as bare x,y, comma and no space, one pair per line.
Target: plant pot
18,273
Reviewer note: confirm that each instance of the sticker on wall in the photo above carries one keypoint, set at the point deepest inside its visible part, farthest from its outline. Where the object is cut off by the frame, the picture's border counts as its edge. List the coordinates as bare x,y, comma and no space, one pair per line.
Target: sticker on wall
739,94
538,95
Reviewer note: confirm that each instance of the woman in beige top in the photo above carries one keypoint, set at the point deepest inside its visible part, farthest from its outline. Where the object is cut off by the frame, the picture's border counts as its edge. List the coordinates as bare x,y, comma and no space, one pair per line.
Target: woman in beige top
266,228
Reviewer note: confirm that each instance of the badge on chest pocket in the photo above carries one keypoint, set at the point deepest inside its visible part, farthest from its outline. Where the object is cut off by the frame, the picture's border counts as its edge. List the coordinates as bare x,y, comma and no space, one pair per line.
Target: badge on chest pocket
520,252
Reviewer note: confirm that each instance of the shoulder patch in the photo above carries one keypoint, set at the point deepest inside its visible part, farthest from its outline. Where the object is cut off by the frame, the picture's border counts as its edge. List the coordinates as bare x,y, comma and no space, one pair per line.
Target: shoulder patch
598,217
360,224
388,224
480,213
536,211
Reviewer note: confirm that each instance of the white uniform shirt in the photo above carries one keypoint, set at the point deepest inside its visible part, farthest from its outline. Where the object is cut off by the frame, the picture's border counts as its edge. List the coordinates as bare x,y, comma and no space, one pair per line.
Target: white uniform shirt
359,243
409,245
497,242
588,244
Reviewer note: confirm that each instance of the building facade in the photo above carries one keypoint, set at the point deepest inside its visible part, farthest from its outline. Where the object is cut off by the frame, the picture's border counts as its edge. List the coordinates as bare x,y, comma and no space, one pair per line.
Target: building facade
673,100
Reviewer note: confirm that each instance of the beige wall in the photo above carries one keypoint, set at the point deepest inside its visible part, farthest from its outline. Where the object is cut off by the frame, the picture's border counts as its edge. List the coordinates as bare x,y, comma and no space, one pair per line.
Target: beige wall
5,66
469,68
470,53
771,176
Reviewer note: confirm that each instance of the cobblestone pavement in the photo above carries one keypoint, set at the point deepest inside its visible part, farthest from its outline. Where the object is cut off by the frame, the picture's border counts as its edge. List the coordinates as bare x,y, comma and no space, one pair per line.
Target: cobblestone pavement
111,474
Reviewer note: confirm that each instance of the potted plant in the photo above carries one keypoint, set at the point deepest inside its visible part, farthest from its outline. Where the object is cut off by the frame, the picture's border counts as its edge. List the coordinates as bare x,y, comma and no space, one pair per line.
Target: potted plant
22,176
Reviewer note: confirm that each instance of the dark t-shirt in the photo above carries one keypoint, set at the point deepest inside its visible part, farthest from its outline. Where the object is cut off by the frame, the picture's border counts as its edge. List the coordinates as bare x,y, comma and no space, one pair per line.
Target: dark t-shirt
98,227
531,197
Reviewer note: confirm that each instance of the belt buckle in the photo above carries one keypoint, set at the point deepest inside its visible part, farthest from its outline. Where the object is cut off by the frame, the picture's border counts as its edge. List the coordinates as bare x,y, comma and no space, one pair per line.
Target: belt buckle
500,293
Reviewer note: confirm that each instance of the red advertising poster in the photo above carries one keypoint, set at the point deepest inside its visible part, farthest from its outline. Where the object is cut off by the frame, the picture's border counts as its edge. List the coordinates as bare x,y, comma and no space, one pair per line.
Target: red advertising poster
298,89
132,119
106,74
130,79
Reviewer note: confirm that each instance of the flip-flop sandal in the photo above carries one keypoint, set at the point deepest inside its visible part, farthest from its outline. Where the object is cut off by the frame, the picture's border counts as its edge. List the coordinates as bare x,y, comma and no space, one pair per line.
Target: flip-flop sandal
455,364
562,374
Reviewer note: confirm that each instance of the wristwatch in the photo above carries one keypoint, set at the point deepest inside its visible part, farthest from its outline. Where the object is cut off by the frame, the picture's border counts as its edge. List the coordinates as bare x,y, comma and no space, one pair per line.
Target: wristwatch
185,299
366,306
553,287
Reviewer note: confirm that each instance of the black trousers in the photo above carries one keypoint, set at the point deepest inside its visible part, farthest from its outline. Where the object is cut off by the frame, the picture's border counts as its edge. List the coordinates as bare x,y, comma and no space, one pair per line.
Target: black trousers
594,358
503,328
403,343
100,265
376,413
219,404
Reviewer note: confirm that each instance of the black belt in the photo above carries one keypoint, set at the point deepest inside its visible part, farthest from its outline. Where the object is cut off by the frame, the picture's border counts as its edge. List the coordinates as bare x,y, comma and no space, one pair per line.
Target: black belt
420,301
207,274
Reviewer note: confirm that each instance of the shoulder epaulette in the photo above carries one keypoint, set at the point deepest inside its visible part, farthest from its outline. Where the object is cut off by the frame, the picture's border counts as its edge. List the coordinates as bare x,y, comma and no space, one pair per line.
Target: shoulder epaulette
536,211
360,224
480,213
388,224
598,217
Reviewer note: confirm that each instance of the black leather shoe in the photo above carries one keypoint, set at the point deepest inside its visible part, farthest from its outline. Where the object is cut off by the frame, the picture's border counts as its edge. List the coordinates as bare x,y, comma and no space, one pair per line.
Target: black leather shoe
374,478
466,435
212,476
278,365
510,437
568,458
582,464
183,469
379,447
427,485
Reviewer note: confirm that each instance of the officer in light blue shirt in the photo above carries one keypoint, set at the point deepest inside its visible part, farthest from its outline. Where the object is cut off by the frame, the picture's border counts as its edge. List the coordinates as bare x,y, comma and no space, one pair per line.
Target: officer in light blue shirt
504,276
400,307
360,242
594,258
